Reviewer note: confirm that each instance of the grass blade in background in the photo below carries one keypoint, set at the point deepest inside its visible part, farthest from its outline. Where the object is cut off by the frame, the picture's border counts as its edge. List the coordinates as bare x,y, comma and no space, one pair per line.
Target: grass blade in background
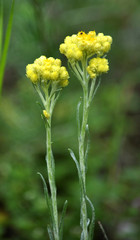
1,26
6,41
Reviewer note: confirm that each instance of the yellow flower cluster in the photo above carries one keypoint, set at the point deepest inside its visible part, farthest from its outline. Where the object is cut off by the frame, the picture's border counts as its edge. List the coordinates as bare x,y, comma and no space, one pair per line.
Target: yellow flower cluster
97,66
47,69
75,47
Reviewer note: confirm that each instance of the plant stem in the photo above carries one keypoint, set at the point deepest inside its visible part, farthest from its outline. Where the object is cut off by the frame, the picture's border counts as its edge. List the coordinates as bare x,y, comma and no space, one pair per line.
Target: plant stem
82,162
51,177
82,153
83,133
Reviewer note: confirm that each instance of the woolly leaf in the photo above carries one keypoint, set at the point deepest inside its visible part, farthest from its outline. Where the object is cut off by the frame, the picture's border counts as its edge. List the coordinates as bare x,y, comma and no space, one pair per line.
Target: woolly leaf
62,220
78,117
88,144
96,88
48,200
92,223
82,236
79,171
50,233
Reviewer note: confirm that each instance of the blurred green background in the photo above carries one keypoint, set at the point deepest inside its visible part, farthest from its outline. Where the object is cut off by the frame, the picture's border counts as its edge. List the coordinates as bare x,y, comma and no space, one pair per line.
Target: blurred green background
113,179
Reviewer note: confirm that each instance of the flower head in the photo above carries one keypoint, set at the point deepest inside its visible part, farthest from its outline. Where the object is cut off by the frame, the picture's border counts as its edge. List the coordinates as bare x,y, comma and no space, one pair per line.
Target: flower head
47,70
97,66
77,46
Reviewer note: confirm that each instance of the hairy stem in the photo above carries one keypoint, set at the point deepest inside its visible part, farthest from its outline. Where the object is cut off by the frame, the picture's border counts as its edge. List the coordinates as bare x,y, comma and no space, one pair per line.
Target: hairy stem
82,152
82,162
51,177
83,133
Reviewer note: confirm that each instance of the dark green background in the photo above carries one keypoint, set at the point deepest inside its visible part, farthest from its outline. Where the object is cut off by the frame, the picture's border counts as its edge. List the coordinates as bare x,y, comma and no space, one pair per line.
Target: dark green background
113,179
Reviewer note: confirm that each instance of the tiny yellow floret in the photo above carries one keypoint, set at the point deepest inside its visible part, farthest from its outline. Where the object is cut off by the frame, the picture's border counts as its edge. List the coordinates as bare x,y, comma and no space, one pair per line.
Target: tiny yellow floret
46,114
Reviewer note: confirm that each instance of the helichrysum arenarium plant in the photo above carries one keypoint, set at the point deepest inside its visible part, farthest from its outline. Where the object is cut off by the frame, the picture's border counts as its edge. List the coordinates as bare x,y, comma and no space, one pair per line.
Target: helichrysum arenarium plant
48,78
86,57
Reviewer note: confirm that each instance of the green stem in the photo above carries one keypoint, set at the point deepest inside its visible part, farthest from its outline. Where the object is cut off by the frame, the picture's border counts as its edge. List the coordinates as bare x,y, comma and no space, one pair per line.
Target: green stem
82,161
83,133
51,177
82,151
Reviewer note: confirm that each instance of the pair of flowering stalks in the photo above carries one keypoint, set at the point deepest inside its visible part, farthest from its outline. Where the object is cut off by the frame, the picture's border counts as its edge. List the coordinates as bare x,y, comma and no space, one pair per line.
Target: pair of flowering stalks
48,78
86,58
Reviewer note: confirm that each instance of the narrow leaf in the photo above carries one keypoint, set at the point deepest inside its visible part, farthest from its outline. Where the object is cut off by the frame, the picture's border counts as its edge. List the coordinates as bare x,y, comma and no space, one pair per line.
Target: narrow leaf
56,91
1,26
50,233
96,88
103,231
69,65
48,201
82,236
92,223
88,144
55,100
39,104
57,96
79,171
62,219
75,72
6,44
78,117
88,222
